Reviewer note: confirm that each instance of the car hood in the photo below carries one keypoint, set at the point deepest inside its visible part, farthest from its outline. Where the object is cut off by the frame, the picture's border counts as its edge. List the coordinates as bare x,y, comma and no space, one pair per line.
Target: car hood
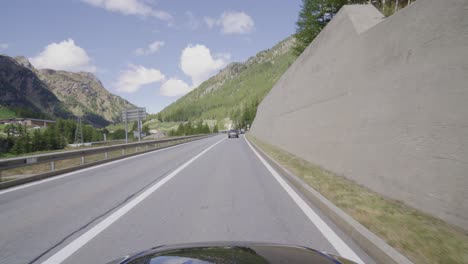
230,252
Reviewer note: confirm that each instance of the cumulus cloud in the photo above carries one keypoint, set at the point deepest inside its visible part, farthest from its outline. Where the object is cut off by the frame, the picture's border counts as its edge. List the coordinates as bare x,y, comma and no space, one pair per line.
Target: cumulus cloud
132,79
174,87
232,23
64,55
210,22
131,7
197,62
225,56
152,48
193,22
4,45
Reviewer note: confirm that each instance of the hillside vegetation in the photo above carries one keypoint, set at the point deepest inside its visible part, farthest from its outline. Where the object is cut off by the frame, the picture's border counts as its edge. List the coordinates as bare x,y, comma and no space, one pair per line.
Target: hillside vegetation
234,89
6,113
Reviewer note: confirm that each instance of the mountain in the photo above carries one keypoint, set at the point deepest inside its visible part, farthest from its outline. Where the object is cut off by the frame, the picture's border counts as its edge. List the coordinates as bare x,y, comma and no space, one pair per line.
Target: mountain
23,91
83,93
235,87
51,94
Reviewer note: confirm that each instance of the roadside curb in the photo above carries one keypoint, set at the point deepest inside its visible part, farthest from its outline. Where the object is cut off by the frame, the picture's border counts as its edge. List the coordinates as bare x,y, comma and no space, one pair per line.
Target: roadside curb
42,176
368,241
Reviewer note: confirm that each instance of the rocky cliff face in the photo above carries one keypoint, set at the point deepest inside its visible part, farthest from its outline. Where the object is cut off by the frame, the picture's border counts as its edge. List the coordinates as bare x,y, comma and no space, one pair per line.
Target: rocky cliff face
82,93
52,94
20,88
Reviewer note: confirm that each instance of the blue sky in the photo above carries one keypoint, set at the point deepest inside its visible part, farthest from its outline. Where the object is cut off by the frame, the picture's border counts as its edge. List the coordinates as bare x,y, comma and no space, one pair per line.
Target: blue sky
150,52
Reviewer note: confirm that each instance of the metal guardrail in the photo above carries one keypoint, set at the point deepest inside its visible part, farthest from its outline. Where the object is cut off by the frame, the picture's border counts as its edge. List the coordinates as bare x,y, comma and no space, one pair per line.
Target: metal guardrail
87,144
12,163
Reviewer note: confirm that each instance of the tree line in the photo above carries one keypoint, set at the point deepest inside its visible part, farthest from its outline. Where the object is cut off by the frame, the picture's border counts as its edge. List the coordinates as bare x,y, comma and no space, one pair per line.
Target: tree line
186,129
20,140
246,115
120,132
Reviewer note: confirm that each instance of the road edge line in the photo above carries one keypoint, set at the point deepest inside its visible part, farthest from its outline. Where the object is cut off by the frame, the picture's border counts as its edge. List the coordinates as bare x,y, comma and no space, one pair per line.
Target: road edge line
341,247
373,245
83,239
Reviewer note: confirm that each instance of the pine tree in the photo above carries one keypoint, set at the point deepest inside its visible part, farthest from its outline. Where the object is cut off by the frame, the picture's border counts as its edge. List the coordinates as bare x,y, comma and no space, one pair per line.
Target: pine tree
37,141
313,17
206,129
308,26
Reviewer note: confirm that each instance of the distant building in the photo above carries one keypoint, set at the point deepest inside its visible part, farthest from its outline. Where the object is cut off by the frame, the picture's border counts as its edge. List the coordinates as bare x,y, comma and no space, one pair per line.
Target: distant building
30,122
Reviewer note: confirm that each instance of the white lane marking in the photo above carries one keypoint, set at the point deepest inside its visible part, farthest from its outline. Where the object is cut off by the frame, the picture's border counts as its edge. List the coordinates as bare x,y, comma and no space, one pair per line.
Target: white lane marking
76,244
340,246
26,185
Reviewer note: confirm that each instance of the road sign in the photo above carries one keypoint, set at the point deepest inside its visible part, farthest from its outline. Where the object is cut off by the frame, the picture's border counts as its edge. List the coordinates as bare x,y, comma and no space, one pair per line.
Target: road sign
135,134
137,114
134,114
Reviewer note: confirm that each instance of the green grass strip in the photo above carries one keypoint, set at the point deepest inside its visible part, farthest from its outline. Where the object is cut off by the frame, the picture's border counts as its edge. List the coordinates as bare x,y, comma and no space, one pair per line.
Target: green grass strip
419,236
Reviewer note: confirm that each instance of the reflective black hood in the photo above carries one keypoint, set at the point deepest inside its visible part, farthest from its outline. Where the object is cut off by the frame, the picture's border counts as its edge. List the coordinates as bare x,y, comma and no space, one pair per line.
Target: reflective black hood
232,252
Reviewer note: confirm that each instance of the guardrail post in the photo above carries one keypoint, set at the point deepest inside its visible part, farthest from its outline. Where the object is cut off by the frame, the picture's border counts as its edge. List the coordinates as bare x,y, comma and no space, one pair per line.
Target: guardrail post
52,166
81,155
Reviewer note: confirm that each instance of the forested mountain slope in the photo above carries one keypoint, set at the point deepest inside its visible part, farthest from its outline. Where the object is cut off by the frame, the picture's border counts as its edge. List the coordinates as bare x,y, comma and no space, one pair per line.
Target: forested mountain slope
233,89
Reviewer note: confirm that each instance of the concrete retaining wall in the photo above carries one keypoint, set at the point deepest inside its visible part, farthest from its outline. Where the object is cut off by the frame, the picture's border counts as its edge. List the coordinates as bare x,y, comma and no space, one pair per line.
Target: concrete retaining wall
383,102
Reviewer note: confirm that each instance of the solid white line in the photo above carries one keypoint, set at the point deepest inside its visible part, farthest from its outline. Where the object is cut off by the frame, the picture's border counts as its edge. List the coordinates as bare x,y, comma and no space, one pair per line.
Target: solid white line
26,185
340,246
76,244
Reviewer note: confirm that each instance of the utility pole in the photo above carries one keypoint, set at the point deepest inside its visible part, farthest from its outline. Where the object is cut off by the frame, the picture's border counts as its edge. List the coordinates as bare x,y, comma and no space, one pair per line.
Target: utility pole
79,133
139,128
126,127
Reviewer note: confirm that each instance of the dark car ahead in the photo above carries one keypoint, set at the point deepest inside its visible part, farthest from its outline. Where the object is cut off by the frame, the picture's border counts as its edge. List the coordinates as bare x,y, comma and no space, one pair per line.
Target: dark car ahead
231,252
233,133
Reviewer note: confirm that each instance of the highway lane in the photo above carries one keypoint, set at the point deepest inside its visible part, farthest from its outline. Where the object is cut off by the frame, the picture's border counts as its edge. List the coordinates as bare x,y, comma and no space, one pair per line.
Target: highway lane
36,218
221,193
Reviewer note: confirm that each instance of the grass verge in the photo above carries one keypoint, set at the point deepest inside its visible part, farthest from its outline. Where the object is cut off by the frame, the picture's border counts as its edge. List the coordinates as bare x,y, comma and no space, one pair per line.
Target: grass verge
420,237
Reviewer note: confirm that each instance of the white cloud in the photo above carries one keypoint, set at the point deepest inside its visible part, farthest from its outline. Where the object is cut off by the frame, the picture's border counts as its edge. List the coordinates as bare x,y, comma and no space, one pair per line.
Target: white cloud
152,48
232,23
174,87
130,7
136,76
64,55
225,56
196,61
4,45
236,23
210,22
193,22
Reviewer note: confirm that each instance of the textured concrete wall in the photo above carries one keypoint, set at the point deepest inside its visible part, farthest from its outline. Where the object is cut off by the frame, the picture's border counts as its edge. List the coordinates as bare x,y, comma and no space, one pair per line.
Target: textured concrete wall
383,102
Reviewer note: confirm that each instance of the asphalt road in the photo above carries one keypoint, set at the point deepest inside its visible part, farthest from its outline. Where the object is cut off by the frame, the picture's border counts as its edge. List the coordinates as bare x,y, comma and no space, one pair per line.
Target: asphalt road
215,189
